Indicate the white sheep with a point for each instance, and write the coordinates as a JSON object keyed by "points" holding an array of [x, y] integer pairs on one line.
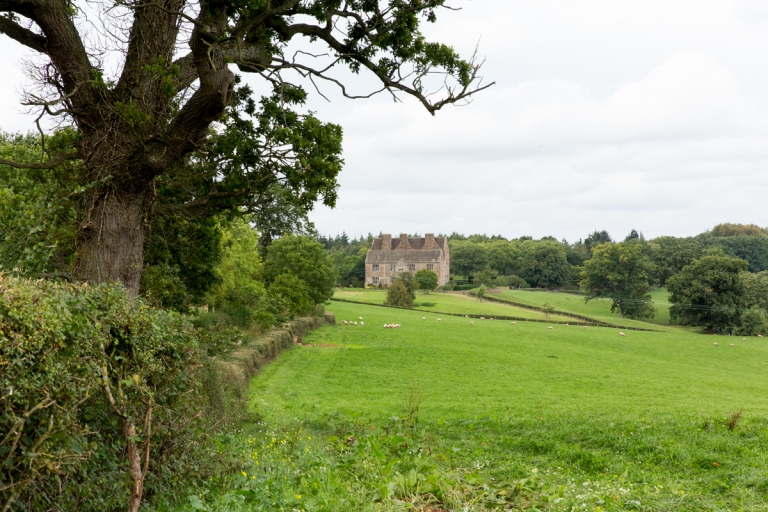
{"points": [[759, 335], [715, 343], [491, 319], [743, 339], [423, 318], [622, 334], [482, 318], [513, 323], [586, 326], [731, 344], [345, 322], [471, 322], [549, 328], [439, 319], [361, 318], [385, 326], [361, 323], [566, 324]]}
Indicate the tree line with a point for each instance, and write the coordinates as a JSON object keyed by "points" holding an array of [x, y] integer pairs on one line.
{"points": [[717, 279]]}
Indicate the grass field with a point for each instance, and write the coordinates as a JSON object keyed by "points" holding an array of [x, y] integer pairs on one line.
{"points": [[448, 303], [599, 309], [447, 416]]}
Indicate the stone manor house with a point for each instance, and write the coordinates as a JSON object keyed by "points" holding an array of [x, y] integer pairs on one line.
{"points": [[388, 257]]}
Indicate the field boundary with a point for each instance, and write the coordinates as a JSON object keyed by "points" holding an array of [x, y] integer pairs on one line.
{"points": [[592, 322]]}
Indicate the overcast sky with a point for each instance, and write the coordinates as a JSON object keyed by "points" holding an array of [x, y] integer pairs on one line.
{"points": [[617, 115]]}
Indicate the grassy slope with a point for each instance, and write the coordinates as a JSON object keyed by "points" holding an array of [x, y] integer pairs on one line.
{"points": [[617, 417], [599, 309], [448, 303]]}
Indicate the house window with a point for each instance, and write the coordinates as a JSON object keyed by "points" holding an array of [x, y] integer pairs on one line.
{"points": [[392, 268], [391, 279], [375, 267], [412, 267], [430, 266], [375, 280]]}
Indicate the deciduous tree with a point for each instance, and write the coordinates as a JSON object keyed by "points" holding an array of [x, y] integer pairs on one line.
{"points": [[620, 272], [708, 292], [426, 279], [139, 127]]}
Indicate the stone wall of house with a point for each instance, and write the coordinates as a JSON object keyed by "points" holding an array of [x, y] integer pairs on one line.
{"points": [[385, 273]]}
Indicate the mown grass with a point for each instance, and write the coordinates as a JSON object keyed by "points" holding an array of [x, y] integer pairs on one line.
{"points": [[501, 416], [599, 309], [448, 303]]}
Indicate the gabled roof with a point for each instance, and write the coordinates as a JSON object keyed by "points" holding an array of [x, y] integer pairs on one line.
{"points": [[417, 244], [408, 256]]}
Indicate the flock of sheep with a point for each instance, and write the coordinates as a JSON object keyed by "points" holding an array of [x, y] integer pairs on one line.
{"points": [[354, 322], [395, 326]]}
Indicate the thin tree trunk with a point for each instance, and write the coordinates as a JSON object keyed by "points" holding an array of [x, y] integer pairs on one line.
{"points": [[111, 241], [134, 462]]}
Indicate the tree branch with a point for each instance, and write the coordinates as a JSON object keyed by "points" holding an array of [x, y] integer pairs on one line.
{"points": [[23, 35], [49, 164]]}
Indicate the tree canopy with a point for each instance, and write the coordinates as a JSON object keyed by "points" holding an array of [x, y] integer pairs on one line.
{"points": [[172, 132], [426, 279], [620, 272], [708, 292], [304, 258]]}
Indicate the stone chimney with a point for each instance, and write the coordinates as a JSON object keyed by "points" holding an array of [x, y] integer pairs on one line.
{"points": [[404, 243], [386, 242], [429, 242]]}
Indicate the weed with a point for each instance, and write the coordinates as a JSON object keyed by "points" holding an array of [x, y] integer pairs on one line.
{"points": [[733, 419]]}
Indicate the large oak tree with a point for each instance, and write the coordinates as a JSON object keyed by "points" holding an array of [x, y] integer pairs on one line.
{"points": [[176, 77]]}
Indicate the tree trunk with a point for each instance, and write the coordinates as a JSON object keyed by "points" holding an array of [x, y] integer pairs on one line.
{"points": [[111, 240], [134, 462], [710, 329], [621, 312]]}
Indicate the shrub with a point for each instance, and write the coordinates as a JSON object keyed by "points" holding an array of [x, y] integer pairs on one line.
{"points": [[398, 295], [287, 297], [753, 322], [97, 383], [516, 282]]}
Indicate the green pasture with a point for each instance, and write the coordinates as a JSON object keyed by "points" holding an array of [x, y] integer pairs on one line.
{"points": [[561, 419], [599, 309], [448, 303]]}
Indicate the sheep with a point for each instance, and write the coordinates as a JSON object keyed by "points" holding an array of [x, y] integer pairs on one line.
{"points": [[471, 322], [439, 319], [361, 318], [385, 326], [622, 334], [743, 339], [759, 335], [344, 322], [362, 324], [354, 323], [482, 318], [423, 318], [490, 318], [566, 324], [715, 343], [731, 344], [549, 328], [466, 316], [586, 326], [513, 323]]}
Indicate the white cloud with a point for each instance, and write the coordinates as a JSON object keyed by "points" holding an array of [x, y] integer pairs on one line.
{"points": [[643, 114]]}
